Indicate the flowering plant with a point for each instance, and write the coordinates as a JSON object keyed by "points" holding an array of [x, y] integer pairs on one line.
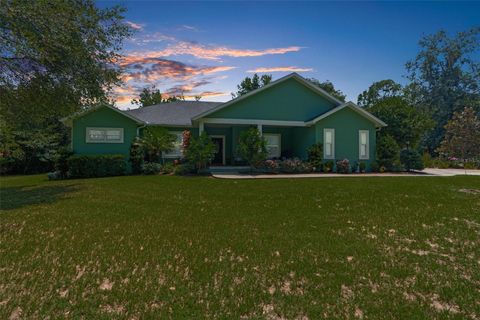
{"points": [[343, 166]]}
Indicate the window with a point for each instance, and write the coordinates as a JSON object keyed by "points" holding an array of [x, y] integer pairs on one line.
{"points": [[104, 135], [273, 145], [363, 144], [329, 143], [177, 146]]}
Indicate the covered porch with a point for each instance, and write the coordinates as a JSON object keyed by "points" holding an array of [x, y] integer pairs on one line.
{"points": [[285, 139]]}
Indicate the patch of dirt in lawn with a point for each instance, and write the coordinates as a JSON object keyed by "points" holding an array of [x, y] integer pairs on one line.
{"points": [[471, 191]]}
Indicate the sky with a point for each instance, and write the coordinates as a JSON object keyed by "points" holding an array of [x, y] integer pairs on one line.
{"points": [[207, 48]]}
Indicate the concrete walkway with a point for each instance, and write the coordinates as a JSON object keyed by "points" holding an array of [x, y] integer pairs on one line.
{"points": [[451, 172], [424, 173]]}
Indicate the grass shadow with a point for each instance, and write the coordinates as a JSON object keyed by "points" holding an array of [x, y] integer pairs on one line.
{"points": [[16, 197]]}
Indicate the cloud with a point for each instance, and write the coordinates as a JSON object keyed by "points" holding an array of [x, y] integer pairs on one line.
{"points": [[152, 69], [188, 28], [133, 25], [148, 38], [212, 52], [280, 69]]}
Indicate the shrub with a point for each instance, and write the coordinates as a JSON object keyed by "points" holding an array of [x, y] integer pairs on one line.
{"points": [[397, 166], [169, 167], [388, 151], [411, 160], [89, 166], [272, 166], [362, 167], [137, 155], [156, 141], [200, 152], [183, 169], [328, 166], [186, 137], [61, 162], [343, 166], [315, 156], [374, 166], [252, 147], [150, 168], [294, 165], [427, 160]]}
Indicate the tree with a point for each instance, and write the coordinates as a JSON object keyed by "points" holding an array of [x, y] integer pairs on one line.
{"points": [[252, 147], [148, 97], [200, 151], [329, 88], [56, 58], [156, 141], [249, 84], [445, 77], [386, 100], [66, 41], [411, 160], [462, 136], [388, 151], [378, 91]]}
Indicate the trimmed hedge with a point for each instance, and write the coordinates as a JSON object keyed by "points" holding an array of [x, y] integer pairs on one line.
{"points": [[90, 166]]}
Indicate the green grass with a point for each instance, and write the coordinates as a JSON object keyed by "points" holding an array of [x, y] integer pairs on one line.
{"points": [[173, 247]]}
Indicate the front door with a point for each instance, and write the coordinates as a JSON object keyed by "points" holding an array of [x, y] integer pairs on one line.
{"points": [[219, 155]]}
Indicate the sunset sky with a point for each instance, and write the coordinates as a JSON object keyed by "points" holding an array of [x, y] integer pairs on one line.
{"points": [[208, 48]]}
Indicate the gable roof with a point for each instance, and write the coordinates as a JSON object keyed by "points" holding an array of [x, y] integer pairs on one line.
{"points": [[177, 113], [354, 107], [294, 75], [92, 109]]}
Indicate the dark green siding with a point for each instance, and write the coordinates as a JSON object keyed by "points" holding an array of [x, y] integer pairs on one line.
{"points": [[288, 101], [347, 123], [104, 118]]}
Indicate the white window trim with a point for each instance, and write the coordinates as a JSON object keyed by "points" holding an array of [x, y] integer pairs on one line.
{"points": [[332, 156], [88, 140], [279, 143], [223, 146], [367, 156], [171, 155]]}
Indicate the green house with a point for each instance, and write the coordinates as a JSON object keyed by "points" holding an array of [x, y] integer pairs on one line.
{"points": [[291, 113]]}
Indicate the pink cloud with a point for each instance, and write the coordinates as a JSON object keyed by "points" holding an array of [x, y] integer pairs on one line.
{"points": [[211, 52], [134, 25], [280, 69]]}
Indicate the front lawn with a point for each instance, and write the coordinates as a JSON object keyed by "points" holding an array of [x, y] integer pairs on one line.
{"points": [[173, 247]]}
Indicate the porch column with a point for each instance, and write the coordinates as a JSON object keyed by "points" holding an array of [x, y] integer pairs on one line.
{"points": [[260, 129], [201, 127]]}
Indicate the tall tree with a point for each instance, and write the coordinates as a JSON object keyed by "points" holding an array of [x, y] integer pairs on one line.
{"points": [[329, 88], [445, 76], [56, 58], [148, 97], [378, 91], [249, 84], [462, 136], [406, 124]]}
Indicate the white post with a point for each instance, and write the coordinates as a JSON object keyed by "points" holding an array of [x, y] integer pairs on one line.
{"points": [[201, 127], [260, 129]]}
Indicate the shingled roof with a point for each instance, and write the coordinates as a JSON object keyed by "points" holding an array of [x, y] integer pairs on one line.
{"points": [[177, 113]]}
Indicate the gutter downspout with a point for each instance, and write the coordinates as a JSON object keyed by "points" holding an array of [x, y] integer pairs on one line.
{"points": [[138, 129]]}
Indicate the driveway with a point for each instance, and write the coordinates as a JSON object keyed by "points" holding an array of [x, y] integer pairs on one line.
{"points": [[451, 172]]}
